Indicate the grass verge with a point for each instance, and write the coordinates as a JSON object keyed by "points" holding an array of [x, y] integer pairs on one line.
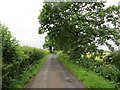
{"points": [[28, 74], [90, 79]]}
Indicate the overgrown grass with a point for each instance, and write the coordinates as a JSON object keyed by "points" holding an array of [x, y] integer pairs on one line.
{"points": [[28, 74], [90, 79]]}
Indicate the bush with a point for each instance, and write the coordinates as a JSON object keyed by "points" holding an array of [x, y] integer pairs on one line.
{"points": [[16, 59], [12, 55], [108, 71], [9, 46], [34, 54], [89, 78], [114, 58]]}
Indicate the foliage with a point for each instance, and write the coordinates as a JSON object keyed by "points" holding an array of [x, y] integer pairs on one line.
{"points": [[28, 74], [12, 56], [0, 56], [34, 54], [49, 45], [9, 46], [88, 77], [79, 27], [16, 59], [107, 71], [113, 58]]}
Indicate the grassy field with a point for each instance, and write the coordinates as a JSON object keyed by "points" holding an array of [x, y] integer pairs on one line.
{"points": [[28, 74], [90, 79]]}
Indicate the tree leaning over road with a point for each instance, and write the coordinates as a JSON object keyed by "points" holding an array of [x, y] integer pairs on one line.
{"points": [[79, 27]]}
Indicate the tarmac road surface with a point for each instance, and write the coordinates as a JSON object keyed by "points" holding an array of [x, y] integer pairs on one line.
{"points": [[54, 75]]}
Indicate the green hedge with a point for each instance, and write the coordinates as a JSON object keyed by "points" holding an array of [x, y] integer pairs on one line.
{"points": [[107, 70], [114, 58], [16, 59], [34, 54], [89, 78]]}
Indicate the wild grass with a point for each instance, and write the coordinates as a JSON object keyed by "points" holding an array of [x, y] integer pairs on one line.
{"points": [[89, 78]]}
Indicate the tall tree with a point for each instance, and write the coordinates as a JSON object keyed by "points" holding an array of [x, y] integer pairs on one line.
{"points": [[78, 28], [49, 44]]}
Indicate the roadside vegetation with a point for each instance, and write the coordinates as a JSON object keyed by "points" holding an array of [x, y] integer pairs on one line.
{"points": [[94, 74], [20, 63], [78, 29], [28, 74]]}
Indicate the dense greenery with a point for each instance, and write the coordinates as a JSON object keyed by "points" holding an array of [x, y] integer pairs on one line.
{"points": [[0, 57], [114, 58], [49, 45], [79, 27], [28, 74], [107, 71], [16, 59], [88, 77]]}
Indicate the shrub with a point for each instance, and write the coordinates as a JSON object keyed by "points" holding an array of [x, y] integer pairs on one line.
{"points": [[89, 78], [108, 71], [114, 58], [9, 46], [16, 59], [34, 54], [12, 57]]}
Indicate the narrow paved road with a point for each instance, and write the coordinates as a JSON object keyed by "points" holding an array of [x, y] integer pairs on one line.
{"points": [[54, 75]]}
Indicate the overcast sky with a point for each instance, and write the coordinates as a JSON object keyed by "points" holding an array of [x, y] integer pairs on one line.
{"points": [[21, 17]]}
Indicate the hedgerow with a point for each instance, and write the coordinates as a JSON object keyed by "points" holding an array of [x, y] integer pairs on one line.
{"points": [[16, 59], [109, 71], [89, 78], [114, 58]]}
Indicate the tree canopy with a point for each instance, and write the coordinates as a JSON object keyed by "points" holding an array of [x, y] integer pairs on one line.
{"points": [[79, 28]]}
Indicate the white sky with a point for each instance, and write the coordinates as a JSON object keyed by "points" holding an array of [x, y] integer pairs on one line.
{"points": [[21, 17]]}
